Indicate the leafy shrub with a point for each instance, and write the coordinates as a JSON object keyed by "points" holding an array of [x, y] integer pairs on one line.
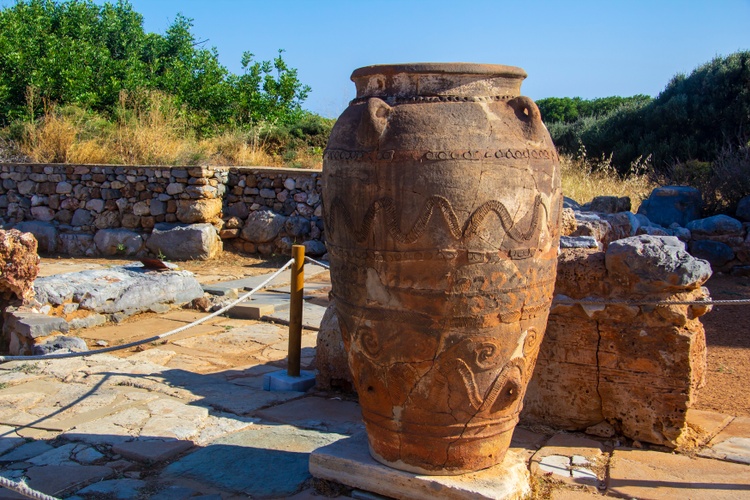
{"points": [[568, 110], [693, 118], [722, 182]]}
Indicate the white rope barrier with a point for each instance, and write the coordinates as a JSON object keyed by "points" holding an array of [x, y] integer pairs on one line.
{"points": [[596, 302], [24, 490], [224, 309], [317, 262]]}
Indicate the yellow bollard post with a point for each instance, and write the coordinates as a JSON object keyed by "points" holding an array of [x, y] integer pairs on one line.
{"points": [[295, 311]]}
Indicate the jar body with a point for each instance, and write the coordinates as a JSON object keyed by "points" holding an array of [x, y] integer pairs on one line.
{"points": [[442, 204]]}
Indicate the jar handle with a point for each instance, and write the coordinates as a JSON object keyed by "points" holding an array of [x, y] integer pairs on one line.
{"points": [[527, 111], [374, 121], [525, 108]]}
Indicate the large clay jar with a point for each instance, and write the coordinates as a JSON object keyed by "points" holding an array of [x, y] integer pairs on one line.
{"points": [[442, 207]]}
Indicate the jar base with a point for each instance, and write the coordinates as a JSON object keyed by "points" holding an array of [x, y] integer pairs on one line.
{"points": [[473, 456]]}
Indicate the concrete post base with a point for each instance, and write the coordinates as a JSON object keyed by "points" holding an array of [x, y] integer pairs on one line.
{"points": [[281, 381]]}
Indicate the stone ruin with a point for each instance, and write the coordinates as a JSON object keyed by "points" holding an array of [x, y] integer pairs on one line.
{"points": [[630, 366], [36, 313], [621, 368]]}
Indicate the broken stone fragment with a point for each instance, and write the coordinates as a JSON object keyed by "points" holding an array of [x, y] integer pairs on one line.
{"points": [[19, 264]]}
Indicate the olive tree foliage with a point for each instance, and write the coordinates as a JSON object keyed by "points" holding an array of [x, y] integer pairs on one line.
{"points": [[77, 52]]}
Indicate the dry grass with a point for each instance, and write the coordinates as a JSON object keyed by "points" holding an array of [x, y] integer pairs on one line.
{"points": [[235, 147], [149, 130], [583, 179], [49, 140]]}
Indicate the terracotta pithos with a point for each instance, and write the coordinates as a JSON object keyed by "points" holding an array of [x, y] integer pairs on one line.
{"points": [[442, 207]]}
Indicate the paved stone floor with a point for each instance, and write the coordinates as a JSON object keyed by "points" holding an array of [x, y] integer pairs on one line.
{"points": [[189, 419]]}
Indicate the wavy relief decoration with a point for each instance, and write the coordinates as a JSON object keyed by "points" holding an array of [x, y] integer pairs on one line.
{"points": [[386, 208]]}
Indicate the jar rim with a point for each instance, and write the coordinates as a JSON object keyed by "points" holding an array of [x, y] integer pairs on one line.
{"points": [[456, 68]]}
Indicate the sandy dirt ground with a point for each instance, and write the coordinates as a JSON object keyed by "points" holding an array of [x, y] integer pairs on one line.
{"points": [[727, 327]]}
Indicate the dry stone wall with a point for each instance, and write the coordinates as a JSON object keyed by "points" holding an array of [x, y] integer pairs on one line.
{"points": [[109, 210]]}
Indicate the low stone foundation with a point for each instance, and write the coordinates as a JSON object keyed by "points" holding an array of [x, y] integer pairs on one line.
{"points": [[629, 368]]}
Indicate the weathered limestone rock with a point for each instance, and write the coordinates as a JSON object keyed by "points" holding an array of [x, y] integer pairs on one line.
{"points": [[19, 264], [714, 226], [743, 209], [717, 253], [569, 224], [669, 204], [44, 232], [184, 242], [610, 204], [594, 225], [118, 289], [623, 224], [655, 263], [204, 210], [263, 226], [22, 329], [314, 248], [571, 203], [632, 365], [118, 242], [76, 244], [60, 343]]}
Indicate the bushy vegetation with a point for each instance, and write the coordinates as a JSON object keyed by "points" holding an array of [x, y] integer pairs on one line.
{"points": [[87, 81], [695, 132], [570, 109]]}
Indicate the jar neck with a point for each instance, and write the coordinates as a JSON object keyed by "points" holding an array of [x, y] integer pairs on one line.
{"points": [[436, 79]]}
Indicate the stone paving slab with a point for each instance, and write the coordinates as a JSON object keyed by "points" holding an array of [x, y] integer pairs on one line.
{"points": [[25, 451], [251, 282], [657, 475], [152, 451], [312, 315], [575, 460], [56, 480], [348, 461], [266, 461], [120, 489], [323, 414], [732, 443], [526, 442], [707, 424]]}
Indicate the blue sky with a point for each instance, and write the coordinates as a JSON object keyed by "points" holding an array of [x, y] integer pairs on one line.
{"points": [[569, 48]]}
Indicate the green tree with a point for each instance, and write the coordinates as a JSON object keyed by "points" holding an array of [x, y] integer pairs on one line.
{"points": [[77, 52], [262, 95]]}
